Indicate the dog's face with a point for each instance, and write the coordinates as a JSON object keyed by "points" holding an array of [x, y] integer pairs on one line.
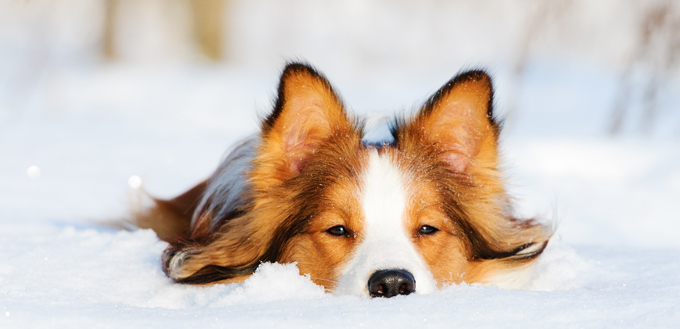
{"points": [[381, 231], [423, 211]]}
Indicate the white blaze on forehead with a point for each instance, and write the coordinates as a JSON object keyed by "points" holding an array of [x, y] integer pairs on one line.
{"points": [[385, 244]]}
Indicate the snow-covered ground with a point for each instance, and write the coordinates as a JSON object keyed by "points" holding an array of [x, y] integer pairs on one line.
{"points": [[614, 262]]}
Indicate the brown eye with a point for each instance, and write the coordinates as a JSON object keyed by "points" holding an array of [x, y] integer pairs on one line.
{"points": [[338, 231], [427, 230]]}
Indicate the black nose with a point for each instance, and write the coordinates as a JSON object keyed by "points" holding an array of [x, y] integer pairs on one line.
{"points": [[389, 283]]}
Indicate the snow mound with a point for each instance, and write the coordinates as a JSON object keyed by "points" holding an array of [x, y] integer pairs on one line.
{"points": [[270, 282], [560, 267]]}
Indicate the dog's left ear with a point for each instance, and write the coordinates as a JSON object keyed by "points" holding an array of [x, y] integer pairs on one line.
{"points": [[458, 121]]}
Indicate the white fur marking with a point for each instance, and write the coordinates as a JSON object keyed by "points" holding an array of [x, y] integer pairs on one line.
{"points": [[385, 244], [226, 187], [175, 262], [516, 278]]}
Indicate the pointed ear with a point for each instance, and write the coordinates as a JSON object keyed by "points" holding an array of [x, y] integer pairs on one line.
{"points": [[307, 113], [458, 121]]}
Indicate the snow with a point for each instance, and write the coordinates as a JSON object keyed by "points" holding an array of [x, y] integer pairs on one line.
{"points": [[77, 138], [614, 261]]}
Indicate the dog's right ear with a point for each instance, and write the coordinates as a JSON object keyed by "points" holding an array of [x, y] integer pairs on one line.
{"points": [[306, 114]]}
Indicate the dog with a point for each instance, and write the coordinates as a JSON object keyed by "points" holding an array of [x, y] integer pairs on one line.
{"points": [[422, 211]]}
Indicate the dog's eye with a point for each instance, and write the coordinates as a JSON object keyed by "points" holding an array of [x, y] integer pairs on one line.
{"points": [[427, 230], [338, 231]]}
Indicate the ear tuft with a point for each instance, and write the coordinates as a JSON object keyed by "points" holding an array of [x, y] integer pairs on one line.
{"points": [[306, 113], [290, 75], [458, 122], [474, 81]]}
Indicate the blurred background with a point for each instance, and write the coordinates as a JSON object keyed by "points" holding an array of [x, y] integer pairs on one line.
{"points": [[96, 93], [636, 41]]}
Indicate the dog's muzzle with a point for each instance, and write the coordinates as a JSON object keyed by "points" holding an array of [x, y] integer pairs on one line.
{"points": [[390, 283]]}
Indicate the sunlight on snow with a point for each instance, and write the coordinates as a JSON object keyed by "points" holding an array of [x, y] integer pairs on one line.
{"points": [[135, 181], [33, 172]]}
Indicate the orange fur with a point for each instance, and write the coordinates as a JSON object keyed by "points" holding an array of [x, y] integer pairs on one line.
{"points": [[171, 219], [456, 132]]}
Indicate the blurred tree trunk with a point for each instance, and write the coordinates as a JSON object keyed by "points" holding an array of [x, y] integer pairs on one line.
{"points": [[206, 16], [209, 27], [110, 13]]}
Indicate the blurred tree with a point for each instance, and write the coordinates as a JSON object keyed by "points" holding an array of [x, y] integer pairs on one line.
{"points": [[658, 53], [209, 30], [206, 31], [110, 12], [544, 14]]}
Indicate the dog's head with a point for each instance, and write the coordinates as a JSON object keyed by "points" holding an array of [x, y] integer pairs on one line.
{"points": [[426, 210]]}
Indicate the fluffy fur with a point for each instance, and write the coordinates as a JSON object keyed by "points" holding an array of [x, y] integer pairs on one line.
{"points": [[307, 190]]}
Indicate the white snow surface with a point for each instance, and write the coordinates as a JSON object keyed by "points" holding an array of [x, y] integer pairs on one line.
{"points": [[614, 261]]}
